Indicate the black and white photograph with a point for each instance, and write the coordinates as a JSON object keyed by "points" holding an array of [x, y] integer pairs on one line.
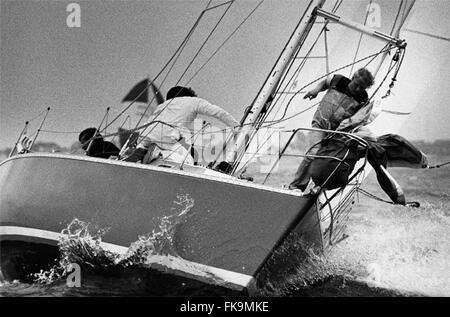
{"points": [[225, 153]]}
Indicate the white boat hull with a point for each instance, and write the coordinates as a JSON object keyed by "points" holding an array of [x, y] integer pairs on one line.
{"points": [[231, 226]]}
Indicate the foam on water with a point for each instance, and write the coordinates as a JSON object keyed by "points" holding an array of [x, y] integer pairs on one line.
{"points": [[294, 268], [81, 244], [160, 241], [401, 248]]}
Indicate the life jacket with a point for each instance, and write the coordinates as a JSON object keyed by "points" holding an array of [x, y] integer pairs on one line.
{"points": [[333, 109]]}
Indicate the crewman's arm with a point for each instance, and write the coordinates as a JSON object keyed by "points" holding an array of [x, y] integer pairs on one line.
{"points": [[208, 109], [323, 85]]}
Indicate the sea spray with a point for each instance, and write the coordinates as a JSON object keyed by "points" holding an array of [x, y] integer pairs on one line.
{"points": [[397, 247], [160, 241], [81, 243], [294, 266]]}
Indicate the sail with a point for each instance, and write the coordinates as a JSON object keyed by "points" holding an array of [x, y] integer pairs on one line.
{"points": [[425, 65], [139, 92]]}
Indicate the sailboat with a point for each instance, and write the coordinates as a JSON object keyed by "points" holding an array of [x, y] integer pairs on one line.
{"points": [[233, 226]]}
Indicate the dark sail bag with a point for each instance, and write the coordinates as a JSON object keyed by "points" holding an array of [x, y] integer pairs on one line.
{"points": [[335, 161]]}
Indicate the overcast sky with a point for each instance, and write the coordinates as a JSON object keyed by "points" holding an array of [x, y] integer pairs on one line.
{"points": [[80, 71]]}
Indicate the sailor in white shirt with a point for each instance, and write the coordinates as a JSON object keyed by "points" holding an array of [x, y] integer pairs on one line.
{"points": [[174, 121]]}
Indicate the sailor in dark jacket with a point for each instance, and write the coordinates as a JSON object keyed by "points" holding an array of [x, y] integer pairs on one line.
{"points": [[96, 146], [344, 97]]}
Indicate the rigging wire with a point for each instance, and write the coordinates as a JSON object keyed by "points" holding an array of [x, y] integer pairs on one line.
{"points": [[391, 67], [297, 71], [429, 35], [327, 74], [414, 204], [40, 128], [439, 165], [397, 64], [321, 77], [374, 57], [397, 16], [121, 126], [180, 47], [288, 82], [360, 39], [60, 132], [263, 117], [370, 195], [337, 4], [225, 41], [260, 119], [272, 123], [204, 42], [295, 74], [24, 131], [286, 108], [37, 116], [177, 54]]}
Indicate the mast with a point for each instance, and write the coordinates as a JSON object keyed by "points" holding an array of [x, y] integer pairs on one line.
{"points": [[264, 96]]}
